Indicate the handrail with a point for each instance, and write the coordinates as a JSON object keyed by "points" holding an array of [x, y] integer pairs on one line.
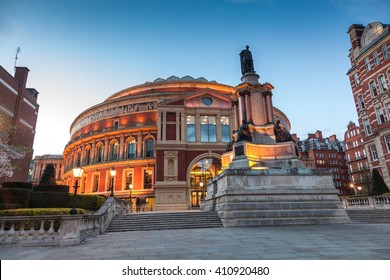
{"points": [[59, 230]]}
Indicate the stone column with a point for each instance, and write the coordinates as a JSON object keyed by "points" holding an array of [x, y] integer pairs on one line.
{"points": [[164, 127], [248, 107], [177, 126], [183, 126], [159, 129], [121, 147], [197, 127], [258, 110], [236, 115], [242, 109], [270, 108], [218, 127]]}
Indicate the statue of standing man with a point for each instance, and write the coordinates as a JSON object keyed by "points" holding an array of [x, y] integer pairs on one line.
{"points": [[246, 61]]}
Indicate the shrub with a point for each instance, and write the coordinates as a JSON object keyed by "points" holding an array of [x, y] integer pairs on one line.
{"points": [[38, 212], [49, 175], [49, 200], [51, 188], [17, 185], [378, 184], [14, 197], [89, 202]]}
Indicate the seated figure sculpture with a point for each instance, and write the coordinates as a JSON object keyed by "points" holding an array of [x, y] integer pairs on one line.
{"points": [[281, 133], [242, 134]]}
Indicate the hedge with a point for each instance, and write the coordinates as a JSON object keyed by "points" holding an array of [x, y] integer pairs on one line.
{"points": [[49, 200], [17, 185], [89, 202], [51, 188], [14, 196], [36, 212]]}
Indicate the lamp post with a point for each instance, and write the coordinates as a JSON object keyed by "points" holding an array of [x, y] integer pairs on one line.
{"points": [[130, 187], [353, 191], [112, 173], [77, 173], [360, 189]]}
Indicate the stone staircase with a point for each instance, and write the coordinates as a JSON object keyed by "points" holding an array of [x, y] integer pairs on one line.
{"points": [[369, 216], [164, 220]]}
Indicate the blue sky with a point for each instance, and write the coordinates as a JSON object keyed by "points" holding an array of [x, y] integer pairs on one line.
{"points": [[81, 52]]}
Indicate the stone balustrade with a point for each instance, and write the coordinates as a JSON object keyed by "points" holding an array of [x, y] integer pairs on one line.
{"points": [[59, 230], [375, 202]]}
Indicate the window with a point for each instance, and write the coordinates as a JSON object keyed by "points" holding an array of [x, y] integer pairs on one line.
{"points": [[114, 151], [379, 115], [387, 141], [191, 129], [356, 79], [96, 179], [87, 159], [375, 58], [149, 151], [208, 131], [129, 179], [148, 178], [207, 101], [225, 128], [99, 153], [373, 152], [385, 51], [373, 90], [367, 64], [382, 83], [116, 124], [131, 149], [362, 106], [367, 127]]}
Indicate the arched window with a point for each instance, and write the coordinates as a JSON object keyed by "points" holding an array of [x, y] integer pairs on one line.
{"points": [[373, 90], [149, 147], [99, 153], [87, 159], [362, 106], [114, 151], [131, 149]]}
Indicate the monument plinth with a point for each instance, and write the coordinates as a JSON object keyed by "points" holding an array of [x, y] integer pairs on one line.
{"points": [[263, 181]]}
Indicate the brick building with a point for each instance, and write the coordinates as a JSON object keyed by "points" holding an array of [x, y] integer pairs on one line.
{"points": [[370, 82], [318, 152], [20, 105], [40, 163], [357, 162]]}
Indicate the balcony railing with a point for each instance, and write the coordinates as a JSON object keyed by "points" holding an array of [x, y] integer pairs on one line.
{"points": [[376, 202], [59, 230]]}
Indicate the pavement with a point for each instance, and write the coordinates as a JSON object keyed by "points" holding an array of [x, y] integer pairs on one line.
{"points": [[309, 242]]}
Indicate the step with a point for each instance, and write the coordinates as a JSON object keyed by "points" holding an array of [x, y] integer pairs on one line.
{"points": [[164, 220]]}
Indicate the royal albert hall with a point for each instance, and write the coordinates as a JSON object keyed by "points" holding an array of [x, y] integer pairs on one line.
{"points": [[163, 138]]}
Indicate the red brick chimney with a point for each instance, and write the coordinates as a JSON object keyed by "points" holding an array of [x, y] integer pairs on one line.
{"points": [[21, 74]]}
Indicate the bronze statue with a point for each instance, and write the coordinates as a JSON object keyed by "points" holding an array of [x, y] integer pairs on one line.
{"points": [[246, 61], [281, 133], [243, 133]]}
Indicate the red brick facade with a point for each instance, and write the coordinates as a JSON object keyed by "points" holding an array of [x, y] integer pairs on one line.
{"points": [[318, 152], [370, 82], [20, 105]]}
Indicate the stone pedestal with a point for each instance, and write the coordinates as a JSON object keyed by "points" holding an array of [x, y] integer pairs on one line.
{"points": [[171, 196], [285, 196]]}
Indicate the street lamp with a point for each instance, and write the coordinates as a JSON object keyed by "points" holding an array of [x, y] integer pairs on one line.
{"points": [[353, 191], [360, 189], [112, 173], [77, 173], [130, 187]]}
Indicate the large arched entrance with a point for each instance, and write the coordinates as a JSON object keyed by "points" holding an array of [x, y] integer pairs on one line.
{"points": [[201, 171]]}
